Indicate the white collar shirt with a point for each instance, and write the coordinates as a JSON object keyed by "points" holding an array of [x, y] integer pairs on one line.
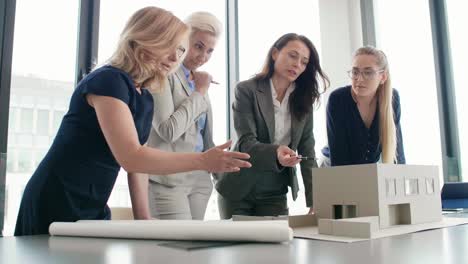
{"points": [[282, 115]]}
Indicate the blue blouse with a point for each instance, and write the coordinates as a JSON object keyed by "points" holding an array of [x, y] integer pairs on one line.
{"points": [[350, 141], [201, 122], [76, 177]]}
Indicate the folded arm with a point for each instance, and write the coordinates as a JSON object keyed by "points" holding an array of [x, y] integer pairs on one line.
{"points": [[170, 122]]}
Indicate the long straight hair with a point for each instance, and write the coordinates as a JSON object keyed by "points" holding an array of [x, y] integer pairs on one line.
{"points": [[387, 129], [307, 91], [149, 34]]}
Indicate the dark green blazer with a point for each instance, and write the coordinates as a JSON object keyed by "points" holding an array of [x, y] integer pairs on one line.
{"points": [[254, 121]]}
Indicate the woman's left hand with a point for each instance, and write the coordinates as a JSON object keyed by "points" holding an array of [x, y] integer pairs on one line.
{"points": [[287, 157], [216, 159]]}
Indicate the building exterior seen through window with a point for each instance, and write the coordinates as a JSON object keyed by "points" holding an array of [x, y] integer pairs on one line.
{"points": [[43, 72], [457, 19], [412, 72]]}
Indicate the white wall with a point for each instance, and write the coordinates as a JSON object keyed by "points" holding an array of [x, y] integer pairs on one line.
{"points": [[341, 34]]}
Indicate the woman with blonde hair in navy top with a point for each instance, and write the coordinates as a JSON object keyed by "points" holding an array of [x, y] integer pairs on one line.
{"points": [[106, 127], [363, 119]]}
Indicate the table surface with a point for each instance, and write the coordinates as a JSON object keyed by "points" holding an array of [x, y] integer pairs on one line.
{"points": [[446, 245]]}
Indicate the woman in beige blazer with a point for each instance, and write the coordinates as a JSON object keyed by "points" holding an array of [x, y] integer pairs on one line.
{"points": [[182, 122], [273, 118]]}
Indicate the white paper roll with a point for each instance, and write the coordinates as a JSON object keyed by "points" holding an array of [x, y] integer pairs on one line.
{"points": [[257, 231]]}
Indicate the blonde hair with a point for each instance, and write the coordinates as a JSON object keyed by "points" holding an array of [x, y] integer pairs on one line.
{"points": [[387, 129], [204, 21], [149, 34]]}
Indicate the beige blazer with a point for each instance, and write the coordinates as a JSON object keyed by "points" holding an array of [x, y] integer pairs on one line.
{"points": [[174, 128], [254, 122]]}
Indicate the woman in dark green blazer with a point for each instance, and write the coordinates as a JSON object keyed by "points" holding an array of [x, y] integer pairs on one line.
{"points": [[273, 118]]}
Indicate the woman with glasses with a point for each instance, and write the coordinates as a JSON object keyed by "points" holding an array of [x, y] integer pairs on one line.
{"points": [[182, 122], [106, 127], [273, 118], [363, 119]]}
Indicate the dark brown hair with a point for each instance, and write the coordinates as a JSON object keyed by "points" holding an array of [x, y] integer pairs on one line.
{"points": [[307, 91]]}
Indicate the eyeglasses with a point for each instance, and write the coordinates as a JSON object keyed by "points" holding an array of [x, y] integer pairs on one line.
{"points": [[366, 75], [180, 51]]}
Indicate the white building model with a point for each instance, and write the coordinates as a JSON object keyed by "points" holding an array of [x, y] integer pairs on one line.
{"points": [[355, 201]]}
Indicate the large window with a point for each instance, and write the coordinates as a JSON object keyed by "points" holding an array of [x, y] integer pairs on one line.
{"points": [[43, 70], [44, 59], [457, 20], [404, 34], [114, 15], [257, 33]]}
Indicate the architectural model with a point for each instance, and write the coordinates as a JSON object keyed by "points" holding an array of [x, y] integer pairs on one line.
{"points": [[358, 200]]}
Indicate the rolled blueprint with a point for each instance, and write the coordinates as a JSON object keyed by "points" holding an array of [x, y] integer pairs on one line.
{"points": [[254, 231]]}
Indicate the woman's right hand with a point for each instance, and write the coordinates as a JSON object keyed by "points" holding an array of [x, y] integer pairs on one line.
{"points": [[217, 159], [202, 81]]}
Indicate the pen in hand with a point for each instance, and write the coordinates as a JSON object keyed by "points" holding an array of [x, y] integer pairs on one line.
{"points": [[302, 157], [212, 81]]}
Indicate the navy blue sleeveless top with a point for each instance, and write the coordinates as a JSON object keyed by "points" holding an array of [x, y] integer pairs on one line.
{"points": [[76, 177]]}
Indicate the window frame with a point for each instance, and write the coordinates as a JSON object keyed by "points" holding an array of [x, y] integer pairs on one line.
{"points": [[87, 51]]}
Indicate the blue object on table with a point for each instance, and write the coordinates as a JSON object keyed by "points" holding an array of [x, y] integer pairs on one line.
{"points": [[454, 195]]}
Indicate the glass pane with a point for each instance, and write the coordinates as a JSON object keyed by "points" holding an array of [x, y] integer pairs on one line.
{"points": [[457, 20], [411, 64], [41, 141], [11, 161], [114, 15], [58, 116], [43, 70], [42, 125], [25, 140], [25, 161], [12, 119], [26, 123], [297, 16]]}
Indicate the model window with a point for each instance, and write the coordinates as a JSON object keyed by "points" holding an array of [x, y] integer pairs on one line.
{"points": [[411, 186], [344, 211], [390, 187], [429, 186]]}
